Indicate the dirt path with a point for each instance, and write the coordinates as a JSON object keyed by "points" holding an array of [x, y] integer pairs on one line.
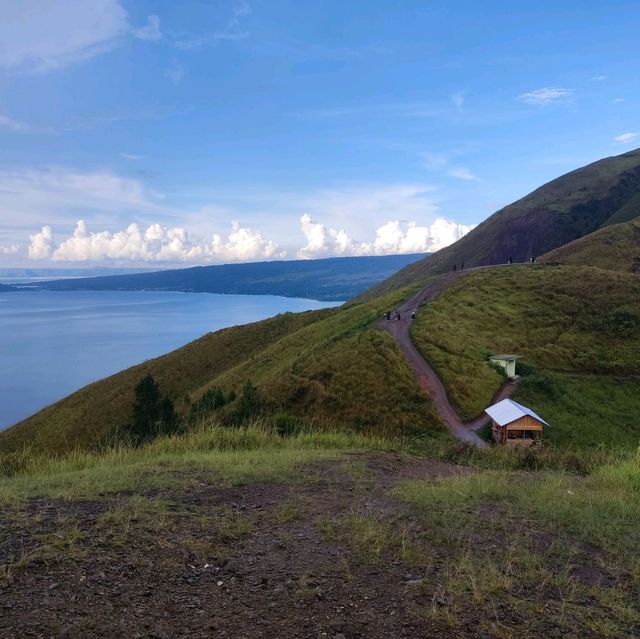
{"points": [[426, 377]]}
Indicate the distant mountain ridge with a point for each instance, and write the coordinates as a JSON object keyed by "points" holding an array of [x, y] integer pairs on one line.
{"points": [[331, 279], [578, 203]]}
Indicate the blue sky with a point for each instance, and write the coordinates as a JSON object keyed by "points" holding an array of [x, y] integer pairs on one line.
{"points": [[214, 131]]}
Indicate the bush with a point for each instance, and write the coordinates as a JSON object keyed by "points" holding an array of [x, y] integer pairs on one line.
{"points": [[285, 424], [248, 404], [153, 414], [542, 383]]}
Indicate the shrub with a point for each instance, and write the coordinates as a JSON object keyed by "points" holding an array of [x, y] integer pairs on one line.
{"points": [[153, 414], [286, 424]]}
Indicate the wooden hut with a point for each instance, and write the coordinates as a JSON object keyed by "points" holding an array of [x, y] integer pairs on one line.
{"points": [[513, 424]]}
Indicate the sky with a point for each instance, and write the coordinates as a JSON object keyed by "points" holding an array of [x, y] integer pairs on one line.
{"points": [[208, 131]]}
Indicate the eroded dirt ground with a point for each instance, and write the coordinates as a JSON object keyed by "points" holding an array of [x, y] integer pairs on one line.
{"points": [[332, 555]]}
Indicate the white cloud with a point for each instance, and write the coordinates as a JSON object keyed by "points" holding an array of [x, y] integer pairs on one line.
{"points": [[41, 244], [57, 194], [626, 138], [151, 31], [9, 250], [618, 100], [174, 72], [38, 35], [547, 95], [458, 99], [464, 174], [391, 238], [17, 126], [441, 163], [131, 156], [599, 78], [155, 244]]}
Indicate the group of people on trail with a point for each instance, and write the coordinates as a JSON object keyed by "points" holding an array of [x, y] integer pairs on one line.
{"points": [[532, 260], [398, 316], [455, 267]]}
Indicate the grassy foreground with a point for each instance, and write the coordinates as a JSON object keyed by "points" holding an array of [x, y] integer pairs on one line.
{"points": [[242, 519]]}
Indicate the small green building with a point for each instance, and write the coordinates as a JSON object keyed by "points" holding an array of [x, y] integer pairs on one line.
{"points": [[508, 362]]}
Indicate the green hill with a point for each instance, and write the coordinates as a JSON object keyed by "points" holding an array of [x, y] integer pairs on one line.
{"points": [[329, 367], [569, 207], [578, 326], [615, 247], [578, 330]]}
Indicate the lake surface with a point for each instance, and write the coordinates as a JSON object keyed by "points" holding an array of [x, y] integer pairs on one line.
{"points": [[54, 342]]}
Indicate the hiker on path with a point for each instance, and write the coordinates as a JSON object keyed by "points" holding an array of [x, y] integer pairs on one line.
{"points": [[413, 315], [388, 315], [455, 266]]}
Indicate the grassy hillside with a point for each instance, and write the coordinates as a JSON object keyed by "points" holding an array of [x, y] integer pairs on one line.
{"points": [[580, 324], [567, 208], [330, 367], [615, 247]]}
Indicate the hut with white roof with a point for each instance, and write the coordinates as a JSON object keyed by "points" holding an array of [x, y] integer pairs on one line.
{"points": [[513, 424]]}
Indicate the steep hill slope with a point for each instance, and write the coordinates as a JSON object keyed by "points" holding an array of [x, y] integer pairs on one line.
{"points": [[615, 247], [567, 208], [337, 278], [330, 367], [579, 327]]}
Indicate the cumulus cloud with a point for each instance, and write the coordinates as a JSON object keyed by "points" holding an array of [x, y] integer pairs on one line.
{"points": [[9, 250], [153, 244], [151, 31], [626, 138], [547, 95], [391, 238], [39, 35], [41, 244]]}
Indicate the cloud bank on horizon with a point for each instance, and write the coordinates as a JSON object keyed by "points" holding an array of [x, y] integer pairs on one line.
{"points": [[174, 245]]}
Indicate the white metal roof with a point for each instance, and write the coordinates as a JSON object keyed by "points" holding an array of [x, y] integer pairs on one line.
{"points": [[508, 411], [506, 357]]}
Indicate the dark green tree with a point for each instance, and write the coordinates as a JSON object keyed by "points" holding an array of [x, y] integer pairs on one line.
{"points": [[153, 414], [248, 403]]}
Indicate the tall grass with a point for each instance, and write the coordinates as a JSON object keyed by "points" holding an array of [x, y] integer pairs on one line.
{"points": [[232, 454]]}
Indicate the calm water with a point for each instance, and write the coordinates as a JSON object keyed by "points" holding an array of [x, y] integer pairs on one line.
{"points": [[54, 342]]}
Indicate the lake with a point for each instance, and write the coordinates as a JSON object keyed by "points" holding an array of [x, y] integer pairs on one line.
{"points": [[54, 342]]}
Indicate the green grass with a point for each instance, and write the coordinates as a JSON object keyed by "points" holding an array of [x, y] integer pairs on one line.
{"points": [[540, 545], [329, 368], [562, 319], [221, 455], [615, 247]]}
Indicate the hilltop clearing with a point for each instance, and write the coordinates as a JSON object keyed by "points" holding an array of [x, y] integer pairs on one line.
{"points": [[242, 533], [569, 207]]}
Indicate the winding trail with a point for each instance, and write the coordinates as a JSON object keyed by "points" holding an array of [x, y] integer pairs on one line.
{"points": [[426, 377]]}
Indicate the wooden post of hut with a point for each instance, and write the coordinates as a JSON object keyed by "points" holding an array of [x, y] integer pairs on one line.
{"points": [[513, 424]]}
